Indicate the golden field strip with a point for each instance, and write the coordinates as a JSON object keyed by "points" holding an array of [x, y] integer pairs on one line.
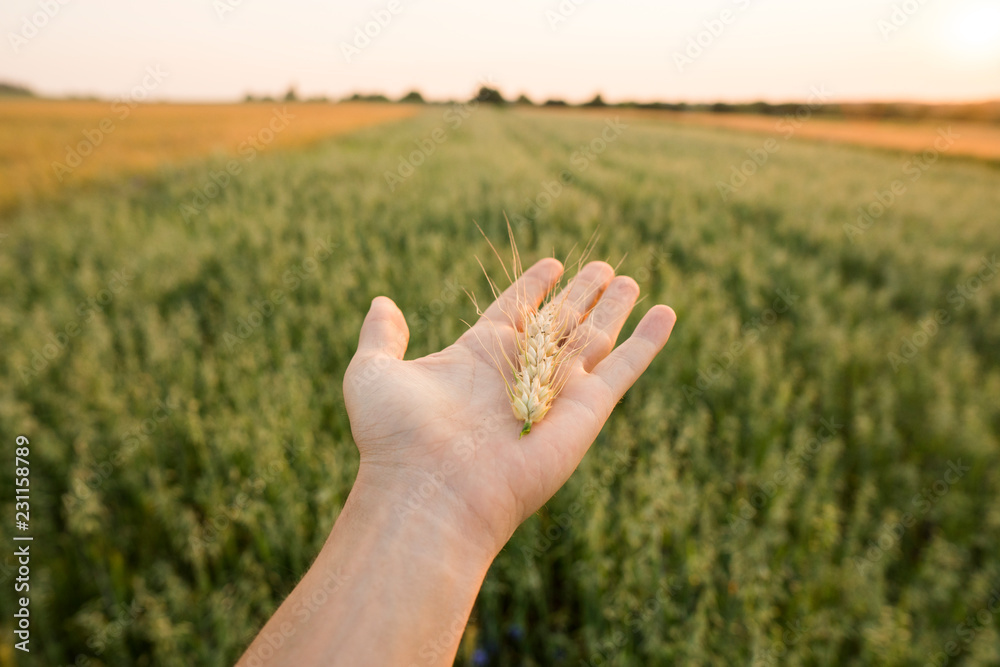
{"points": [[48, 144], [972, 139]]}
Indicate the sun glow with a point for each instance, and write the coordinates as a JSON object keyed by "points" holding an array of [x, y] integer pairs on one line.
{"points": [[974, 32]]}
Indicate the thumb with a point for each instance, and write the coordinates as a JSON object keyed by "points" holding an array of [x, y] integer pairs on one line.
{"points": [[384, 330]]}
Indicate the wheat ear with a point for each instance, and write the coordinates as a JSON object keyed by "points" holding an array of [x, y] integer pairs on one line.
{"points": [[541, 350], [544, 349]]}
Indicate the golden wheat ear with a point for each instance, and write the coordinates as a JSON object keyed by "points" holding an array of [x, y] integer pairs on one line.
{"points": [[545, 344]]}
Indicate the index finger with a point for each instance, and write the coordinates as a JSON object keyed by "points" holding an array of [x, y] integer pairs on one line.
{"points": [[526, 292]]}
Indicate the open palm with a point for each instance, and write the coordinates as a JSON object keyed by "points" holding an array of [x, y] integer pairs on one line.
{"points": [[438, 433]]}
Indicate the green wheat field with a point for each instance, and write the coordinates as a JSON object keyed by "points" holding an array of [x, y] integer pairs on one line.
{"points": [[807, 475]]}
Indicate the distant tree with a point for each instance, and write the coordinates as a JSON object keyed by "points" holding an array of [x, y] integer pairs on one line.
{"points": [[14, 90], [878, 110], [358, 97], [291, 95], [556, 103], [722, 107], [838, 110], [525, 100], [412, 97], [598, 101], [489, 96]]}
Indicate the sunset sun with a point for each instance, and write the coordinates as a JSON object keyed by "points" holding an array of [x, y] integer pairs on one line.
{"points": [[974, 31]]}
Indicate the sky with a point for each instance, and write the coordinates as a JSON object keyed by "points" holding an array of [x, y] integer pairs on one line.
{"points": [[717, 50]]}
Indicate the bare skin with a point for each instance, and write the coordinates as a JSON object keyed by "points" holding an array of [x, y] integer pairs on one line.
{"points": [[444, 479]]}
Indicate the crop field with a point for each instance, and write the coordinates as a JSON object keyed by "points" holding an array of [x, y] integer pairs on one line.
{"points": [[47, 145], [967, 139], [807, 475]]}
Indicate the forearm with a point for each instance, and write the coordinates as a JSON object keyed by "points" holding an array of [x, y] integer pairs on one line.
{"points": [[386, 589]]}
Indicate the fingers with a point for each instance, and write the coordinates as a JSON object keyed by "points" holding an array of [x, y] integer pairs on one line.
{"points": [[528, 290], [384, 330], [620, 369], [598, 333], [586, 287], [584, 405]]}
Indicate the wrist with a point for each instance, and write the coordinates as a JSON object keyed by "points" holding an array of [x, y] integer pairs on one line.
{"points": [[419, 515], [387, 585]]}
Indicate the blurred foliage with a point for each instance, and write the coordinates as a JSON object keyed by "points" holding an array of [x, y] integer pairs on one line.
{"points": [[772, 491]]}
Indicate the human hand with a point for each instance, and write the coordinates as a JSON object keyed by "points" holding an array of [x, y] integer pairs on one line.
{"points": [[444, 479], [437, 435]]}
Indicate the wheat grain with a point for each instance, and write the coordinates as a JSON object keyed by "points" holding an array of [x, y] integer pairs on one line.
{"points": [[546, 343], [543, 349]]}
